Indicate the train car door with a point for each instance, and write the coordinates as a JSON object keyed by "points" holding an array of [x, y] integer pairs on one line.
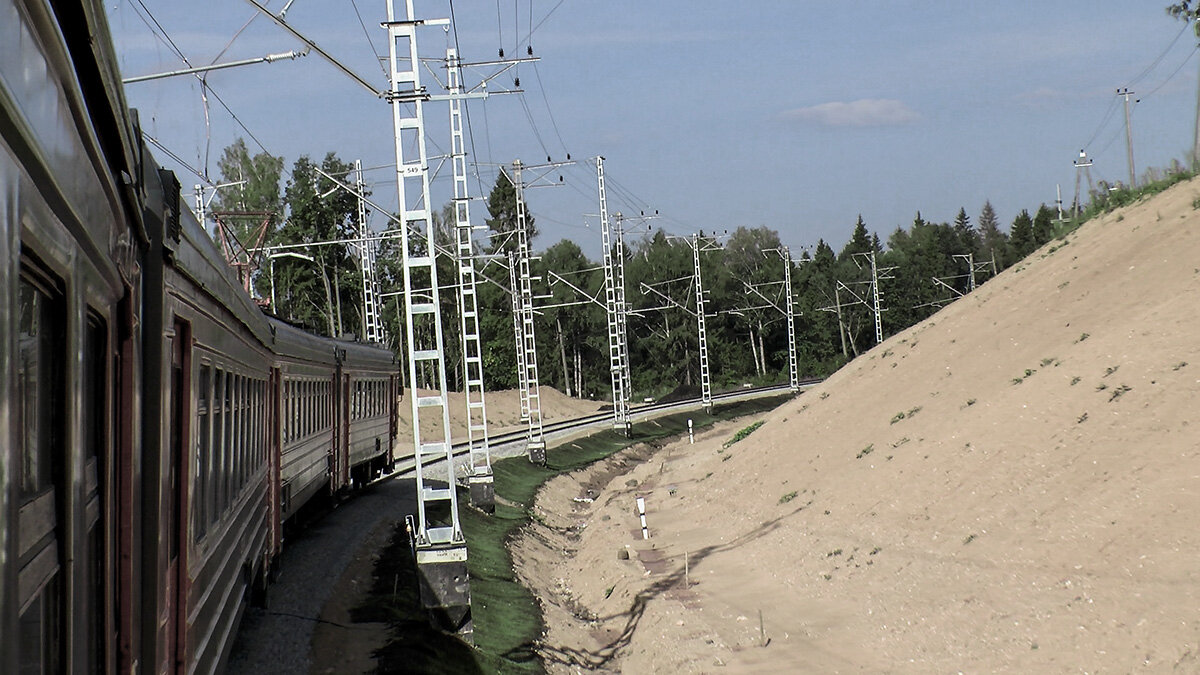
{"points": [[275, 460], [344, 430], [176, 499]]}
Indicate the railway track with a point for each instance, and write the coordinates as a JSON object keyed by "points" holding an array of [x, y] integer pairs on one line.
{"points": [[509, 444]]}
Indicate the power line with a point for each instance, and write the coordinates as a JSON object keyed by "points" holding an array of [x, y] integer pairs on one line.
{"points": [[1162, 84]]}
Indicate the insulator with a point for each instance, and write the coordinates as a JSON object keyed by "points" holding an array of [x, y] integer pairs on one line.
{"points": [[529, 50], [502, 52], [568, 156], [560, 179], [516, 81], [548, 158]]}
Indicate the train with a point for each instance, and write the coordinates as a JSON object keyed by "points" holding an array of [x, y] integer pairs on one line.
{"points": [[160, 429]]}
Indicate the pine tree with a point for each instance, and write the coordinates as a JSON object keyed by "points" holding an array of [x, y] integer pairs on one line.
{"points": [[993, 244], [502, 206], [1043, 225], [1020, 240]]}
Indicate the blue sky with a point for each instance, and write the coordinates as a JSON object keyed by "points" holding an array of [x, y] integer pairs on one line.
{"points": [[798, 115]]}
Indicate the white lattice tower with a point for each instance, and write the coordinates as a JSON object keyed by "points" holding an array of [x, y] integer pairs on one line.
{"points": [[705, 380], [793, 364], [366, 248], [613, 307], [622, 311], [423, 321], [536, 442], [468, 306], [519, 336], [877, 298]]}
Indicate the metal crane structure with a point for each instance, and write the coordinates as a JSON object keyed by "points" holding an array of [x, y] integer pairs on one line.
{"points": [[441, 550]]}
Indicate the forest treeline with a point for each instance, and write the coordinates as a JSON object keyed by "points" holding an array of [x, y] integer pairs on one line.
{"points": [[921, 267]]}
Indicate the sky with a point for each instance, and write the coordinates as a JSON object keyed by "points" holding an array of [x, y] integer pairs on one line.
{"points": [[797, 115]]}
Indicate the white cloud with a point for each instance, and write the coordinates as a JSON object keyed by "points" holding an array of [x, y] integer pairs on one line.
{"points": [[865, 112]]}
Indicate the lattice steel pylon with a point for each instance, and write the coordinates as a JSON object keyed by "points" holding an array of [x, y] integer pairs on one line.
{"points": [[440, 548], [705, 381], [372, 328], [535, 444], [614, 302], [519, 337], [793, 362], [479, 480]]}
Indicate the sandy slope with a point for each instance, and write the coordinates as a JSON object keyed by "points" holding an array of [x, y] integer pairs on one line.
{"points": [[1011, 486]]}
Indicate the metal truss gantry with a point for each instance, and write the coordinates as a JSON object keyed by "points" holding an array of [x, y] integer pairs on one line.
{"points": [[440, 548]]}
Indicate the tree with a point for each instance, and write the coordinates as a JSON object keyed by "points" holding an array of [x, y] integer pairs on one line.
{"points": [[502, 207], [1043, 225], [259, 178], [965, 232], [993, 244], [1020, 239], [860, 241], [322, 293]]}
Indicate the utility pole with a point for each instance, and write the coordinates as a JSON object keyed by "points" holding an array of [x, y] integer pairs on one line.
{"points": [[1128, 136], [372, 327], [1196, 136], [705, 380], [480, 480], [519, 336], [788, 310], [793, 361], [877, 274], [536, 442], [441, 550], [614, 292], [1082, 166]]}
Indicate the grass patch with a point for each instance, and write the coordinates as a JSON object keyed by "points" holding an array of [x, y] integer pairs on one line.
{"points": [[788, 497], [865, 451], [742, 433], [507, 618]]}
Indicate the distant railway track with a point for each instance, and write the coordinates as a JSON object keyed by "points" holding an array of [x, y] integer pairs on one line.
{"points": [[407, 465]]}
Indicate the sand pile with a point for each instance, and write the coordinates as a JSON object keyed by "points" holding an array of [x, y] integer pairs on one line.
{"points": [[1010, 486]]}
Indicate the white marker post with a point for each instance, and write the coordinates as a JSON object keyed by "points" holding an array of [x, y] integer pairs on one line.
{"points": [[641, 504], [691, 438]]}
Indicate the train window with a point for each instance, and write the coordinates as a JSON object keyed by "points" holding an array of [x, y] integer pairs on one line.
{"points": [[39, 417], [286, 411], [218, 458], [203, 450], [239, 436]]}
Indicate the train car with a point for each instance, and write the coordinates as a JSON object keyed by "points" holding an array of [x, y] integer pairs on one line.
{"points": [[70, 283], [339, 415], [308, 406], [370, 380], [207, 531], [159, 428]]}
